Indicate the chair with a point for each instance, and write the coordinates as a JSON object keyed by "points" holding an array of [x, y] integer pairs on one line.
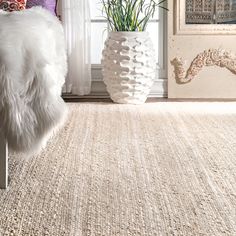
{"points": [[30, 89], [3, 162]]}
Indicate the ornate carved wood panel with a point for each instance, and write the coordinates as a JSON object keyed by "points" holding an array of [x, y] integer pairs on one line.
{"points": [[210, 11], [211, 57]]}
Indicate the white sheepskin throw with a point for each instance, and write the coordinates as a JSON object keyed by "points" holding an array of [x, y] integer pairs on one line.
{"points": [[32, 72]]}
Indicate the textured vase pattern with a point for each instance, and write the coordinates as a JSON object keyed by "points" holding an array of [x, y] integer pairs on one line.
{"points": [[129, 66]]}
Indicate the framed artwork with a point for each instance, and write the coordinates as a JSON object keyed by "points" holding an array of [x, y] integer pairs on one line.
{"points": [[205, 17]]}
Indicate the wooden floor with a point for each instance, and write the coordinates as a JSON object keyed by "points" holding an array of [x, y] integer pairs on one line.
{"points": [[151, 99]]}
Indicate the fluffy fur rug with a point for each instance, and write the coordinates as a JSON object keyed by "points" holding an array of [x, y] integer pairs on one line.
{"points": [[32, 72]]}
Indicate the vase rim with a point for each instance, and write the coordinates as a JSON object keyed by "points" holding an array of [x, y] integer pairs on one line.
{"points": [[128, 32]]}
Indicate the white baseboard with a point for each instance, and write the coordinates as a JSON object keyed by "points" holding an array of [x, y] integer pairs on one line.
{"points": [[159, 89], [98, 90]]}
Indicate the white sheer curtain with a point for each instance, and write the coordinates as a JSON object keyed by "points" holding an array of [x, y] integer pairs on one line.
{"points": [[75, 15]]}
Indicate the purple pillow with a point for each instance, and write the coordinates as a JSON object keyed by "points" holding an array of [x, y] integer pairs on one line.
{"points": [[48, 4]]}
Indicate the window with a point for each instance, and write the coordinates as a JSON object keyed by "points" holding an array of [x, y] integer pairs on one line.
{"points": [[99, 33]]}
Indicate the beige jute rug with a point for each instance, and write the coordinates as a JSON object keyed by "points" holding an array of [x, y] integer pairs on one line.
{"points": [[164, 168]]}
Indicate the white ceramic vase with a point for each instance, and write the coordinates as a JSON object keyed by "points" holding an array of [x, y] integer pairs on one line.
{"points": [[129, 66]]}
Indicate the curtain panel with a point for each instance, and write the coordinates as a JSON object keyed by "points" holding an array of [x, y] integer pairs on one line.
{"points": [[75, 16]]}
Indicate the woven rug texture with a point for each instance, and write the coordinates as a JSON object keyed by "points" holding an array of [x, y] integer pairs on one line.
{"points": [[163, 168]]}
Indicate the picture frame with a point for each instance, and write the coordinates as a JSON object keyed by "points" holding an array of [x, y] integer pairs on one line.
{"points": [[181, 28]]}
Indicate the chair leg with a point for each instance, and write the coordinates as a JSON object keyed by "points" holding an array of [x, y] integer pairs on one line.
{"points": [[3, 162]]}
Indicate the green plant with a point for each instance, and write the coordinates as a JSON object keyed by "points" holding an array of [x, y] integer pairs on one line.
{"points": [[130, 15]]}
